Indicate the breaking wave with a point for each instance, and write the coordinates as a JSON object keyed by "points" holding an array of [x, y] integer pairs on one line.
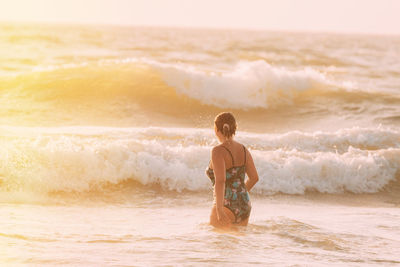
{"points": [[249, 84], [81, 159]]}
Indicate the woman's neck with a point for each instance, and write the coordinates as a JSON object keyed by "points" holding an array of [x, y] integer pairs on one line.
{"points": [[228, 141]]}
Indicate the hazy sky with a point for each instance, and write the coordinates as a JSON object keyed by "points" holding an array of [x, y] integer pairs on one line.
{"points": [[365, 16]]}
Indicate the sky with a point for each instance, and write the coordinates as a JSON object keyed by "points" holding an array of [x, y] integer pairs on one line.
{"points": [[347, 16]]}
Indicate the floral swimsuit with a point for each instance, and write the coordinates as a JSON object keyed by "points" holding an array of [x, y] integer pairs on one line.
{"points": [[236, 196]]}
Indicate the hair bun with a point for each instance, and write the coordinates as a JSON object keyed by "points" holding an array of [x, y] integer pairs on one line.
{"points": [[226, 124], [226, 130]]}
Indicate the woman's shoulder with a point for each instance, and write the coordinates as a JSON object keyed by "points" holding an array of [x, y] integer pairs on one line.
{"points": [[222, 147], [217, 148]]}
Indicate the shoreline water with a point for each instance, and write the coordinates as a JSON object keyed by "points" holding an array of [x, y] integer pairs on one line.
{"points": [[289, 232]]}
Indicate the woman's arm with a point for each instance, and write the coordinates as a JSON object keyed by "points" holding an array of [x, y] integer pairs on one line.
{"points": [[218, 164], [251, 172]]}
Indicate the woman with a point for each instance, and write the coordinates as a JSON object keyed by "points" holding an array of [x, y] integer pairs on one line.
{"points": [[229, 163]]}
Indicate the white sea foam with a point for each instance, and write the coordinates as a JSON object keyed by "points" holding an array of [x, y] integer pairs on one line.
{"points": [[294, 172], [250, 84], [86, 158], [338, 141]]}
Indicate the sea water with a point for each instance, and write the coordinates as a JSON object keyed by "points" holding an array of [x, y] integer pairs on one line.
{"points": [[105, 134]]}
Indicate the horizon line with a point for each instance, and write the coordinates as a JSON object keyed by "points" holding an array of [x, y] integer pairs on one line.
{"points": [[197, 27]]}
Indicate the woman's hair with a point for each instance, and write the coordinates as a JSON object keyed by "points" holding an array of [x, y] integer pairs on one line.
{"points": [[226, 124]]}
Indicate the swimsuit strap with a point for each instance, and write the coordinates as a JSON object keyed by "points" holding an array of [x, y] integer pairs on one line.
{"points": [[233, 162], [244, 149]]}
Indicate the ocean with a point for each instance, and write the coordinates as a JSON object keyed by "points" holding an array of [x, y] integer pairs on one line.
{"points": [[106, 132]]}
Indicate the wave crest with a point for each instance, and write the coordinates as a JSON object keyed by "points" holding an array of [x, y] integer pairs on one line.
{"points": [[69, 159], [250, 84]]}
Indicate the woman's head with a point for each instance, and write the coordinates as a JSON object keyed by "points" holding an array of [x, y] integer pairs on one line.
{"points": [[225, 124]]}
